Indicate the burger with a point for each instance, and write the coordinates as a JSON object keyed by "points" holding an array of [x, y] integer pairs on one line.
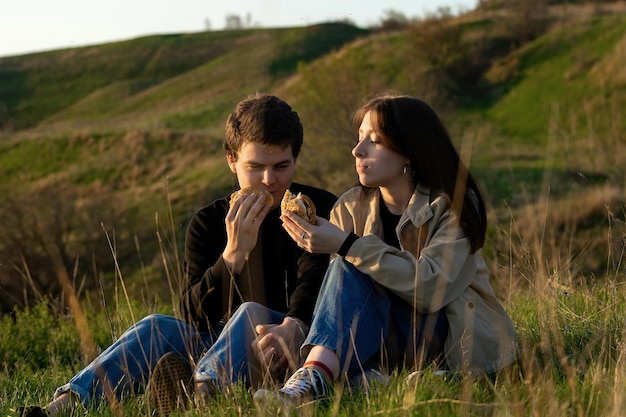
{"points": [[299, 204], [269, 200]]}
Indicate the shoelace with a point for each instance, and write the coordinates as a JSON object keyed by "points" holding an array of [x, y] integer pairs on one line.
{"points": [[305, 382]]}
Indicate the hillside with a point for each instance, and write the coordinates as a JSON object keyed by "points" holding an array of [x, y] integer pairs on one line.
{"points": [[129, 134], [173, 78]]}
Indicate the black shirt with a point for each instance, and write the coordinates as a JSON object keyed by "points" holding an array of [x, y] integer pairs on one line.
{"points": [[290, 276], [390, 221]]}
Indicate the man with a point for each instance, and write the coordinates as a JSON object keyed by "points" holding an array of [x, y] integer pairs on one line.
{"points": [[249, 289]]}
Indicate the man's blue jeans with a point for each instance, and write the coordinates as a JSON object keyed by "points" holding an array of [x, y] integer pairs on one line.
{"points": [[124, 367], [231, 359], [369, 326]]}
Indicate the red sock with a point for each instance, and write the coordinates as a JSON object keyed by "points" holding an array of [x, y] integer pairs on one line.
{"points": [[320, 367]]}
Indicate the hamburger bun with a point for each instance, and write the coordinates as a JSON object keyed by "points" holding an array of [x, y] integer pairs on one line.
{"points": [[299, 204], [269, 200]]}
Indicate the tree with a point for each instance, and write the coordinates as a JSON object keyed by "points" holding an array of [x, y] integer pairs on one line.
{"points": [[233, 22], [5, 119], [438, 40], [527, 18], [393, 20], [47, 236]]}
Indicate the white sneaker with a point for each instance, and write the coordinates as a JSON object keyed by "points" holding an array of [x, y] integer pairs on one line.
{"points": [[306, 384], [413, 377]]}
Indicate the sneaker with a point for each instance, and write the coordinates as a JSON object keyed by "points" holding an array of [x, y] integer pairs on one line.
{"points": [[365, 380], [31, 411], [305, 385], [170, 384], [414, 377], [205, 391]]}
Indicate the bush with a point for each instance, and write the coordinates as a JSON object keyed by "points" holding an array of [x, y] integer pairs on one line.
{"points": [[34, 337]]}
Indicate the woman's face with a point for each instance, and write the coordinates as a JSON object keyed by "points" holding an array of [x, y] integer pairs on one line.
{"points": [[377, 165]]}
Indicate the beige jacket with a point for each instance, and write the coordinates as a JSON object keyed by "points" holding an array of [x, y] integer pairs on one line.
{"points": [[434, 269]]}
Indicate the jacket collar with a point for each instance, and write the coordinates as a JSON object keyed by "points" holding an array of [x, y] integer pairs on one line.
{"points": [[418, 211]]}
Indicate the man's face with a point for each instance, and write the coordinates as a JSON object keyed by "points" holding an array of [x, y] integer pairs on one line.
{"points": [[260, 166]]}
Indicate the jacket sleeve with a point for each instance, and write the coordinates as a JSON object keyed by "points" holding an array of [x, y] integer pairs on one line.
{"points": [[429, 280]]}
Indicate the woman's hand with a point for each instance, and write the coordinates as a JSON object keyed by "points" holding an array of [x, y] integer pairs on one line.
{"points": [[322, 237]]}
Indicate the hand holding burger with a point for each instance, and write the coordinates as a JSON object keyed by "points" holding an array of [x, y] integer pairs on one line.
{"points": [[298, 204], [269, 200]]}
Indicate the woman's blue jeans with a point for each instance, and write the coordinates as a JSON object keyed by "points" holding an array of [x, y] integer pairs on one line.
{"points": [[125, 367], [370, 327]]}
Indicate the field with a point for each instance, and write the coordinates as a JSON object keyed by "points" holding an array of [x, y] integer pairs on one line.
{"points": [[571, 339], [104, 158]]}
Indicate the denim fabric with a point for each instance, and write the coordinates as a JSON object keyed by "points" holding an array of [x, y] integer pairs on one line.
{"points": [[369, 326], [231, 359], [125, 366]]}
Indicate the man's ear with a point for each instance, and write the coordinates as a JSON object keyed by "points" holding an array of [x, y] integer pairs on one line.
{"points": [[232, 162]]}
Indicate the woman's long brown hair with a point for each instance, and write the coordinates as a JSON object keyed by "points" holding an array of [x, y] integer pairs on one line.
{"points": [[410, 127]]}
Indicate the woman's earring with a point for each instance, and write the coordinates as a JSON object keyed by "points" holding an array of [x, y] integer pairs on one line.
{"points": [[404, 169]]}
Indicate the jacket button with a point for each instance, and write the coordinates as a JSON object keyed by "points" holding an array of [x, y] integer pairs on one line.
{"points": [[471, 305]]}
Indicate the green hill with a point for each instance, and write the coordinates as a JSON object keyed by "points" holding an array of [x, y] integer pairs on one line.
{"points": [[158, 76], [126, 136]]}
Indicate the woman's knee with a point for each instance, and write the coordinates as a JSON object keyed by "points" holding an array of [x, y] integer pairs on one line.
{"points": [[343, 276]]}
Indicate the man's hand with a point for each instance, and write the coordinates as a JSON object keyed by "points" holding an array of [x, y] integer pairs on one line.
{"points": [[278, 345], [243, 221]]}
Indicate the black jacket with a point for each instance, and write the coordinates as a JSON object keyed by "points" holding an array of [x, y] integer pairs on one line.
{"points": [[290, 276]]}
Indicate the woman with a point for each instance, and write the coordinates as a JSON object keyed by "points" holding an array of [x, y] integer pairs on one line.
{"points": [[409, 286]]}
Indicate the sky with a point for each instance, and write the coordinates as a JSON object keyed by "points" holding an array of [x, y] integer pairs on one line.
{"points": [[41, 25]]}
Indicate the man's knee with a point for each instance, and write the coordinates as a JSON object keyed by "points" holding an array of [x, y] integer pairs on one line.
{"points": [[253, 312]]}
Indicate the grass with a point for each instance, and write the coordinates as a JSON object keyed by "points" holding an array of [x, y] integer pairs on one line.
{"points": [[551, 68], [569, 321], [573, 356], [547, 148], [46, 157]]}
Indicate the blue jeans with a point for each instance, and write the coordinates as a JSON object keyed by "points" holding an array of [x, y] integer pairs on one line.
{"points": [[125, 367], [231, 359], [368, 326]]}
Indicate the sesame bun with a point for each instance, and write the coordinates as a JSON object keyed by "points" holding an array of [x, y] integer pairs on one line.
{"points": [[299, 204]]}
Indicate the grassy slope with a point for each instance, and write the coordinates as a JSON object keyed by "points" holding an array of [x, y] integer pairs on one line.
{"points": [[546, 108], [130, 118], [154, 131], [134, 85], [155, 74], [148, 113]]}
